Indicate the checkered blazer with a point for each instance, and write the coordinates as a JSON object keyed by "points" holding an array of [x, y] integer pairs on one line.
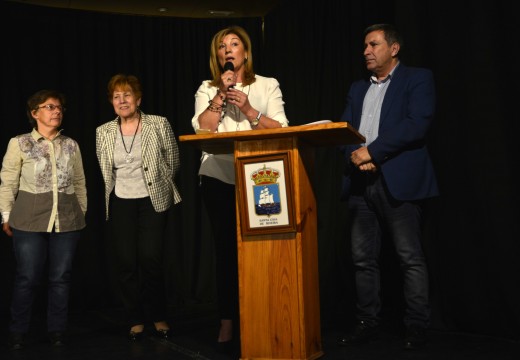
{"points": [[160, 159]]}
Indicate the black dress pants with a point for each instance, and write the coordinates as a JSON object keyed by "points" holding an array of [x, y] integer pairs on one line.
{"points": [[219, 199], [136, 252]]}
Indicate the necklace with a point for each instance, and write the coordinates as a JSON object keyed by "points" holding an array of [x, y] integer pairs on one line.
{"points": [[129, 157], [235, 111]]}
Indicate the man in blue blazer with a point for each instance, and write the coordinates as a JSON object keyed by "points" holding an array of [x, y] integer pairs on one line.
{"points": [[385, 180]]}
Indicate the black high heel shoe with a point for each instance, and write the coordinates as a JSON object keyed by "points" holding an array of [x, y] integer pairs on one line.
{"points": [[135, 336], [230, 347], [225, 347], [163, 333]]}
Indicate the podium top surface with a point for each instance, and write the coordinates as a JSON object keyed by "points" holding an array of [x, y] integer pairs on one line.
{"points": [[315, 134]]}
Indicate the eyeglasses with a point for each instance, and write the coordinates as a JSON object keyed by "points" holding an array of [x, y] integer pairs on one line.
{"points": [[52, 107]]}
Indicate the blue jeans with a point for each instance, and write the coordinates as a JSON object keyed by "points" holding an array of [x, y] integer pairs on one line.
{"points": [[33, 250], [374, 213]]}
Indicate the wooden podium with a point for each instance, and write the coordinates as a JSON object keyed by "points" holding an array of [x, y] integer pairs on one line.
{"points": [[277, 234]]}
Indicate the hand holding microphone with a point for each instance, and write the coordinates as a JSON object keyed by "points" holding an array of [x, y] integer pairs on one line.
{"points": [[229, 79]]}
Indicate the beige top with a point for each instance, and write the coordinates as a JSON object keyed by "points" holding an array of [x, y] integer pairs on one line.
{"points": [[43, 184]]}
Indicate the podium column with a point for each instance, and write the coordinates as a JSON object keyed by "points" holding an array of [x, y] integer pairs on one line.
{"points": [[278, 271]]}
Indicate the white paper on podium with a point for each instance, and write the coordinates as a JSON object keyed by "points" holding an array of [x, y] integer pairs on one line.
{"points": [[319, 122]]}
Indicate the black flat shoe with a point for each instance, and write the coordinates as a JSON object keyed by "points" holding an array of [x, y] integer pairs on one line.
{"points": [[57, 338], [135, 336], [163, 333], [15, 341], [363, 333], [415, 338]]}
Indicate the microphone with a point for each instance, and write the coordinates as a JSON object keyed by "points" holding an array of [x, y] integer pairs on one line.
{"points": [[229, 66]]}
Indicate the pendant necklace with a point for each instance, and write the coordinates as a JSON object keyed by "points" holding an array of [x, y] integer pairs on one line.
{"points": [[236, 111], [129, 157]]}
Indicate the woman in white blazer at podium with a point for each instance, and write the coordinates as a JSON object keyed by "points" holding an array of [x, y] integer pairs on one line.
{"points": [[235, 99]]}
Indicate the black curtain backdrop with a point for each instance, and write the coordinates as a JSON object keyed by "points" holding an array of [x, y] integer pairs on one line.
{"points": [[315, 50]]}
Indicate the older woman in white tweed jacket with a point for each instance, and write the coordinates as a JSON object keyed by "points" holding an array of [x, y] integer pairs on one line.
{"points": [[139, 159]]}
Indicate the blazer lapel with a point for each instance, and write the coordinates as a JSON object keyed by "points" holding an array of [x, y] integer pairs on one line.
{"points": [[107, 153], [360, 96], [146, 132], [392, 91]]}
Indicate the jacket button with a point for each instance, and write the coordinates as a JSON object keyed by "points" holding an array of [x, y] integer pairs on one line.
{"points": [[149, 184], [146, 169]]}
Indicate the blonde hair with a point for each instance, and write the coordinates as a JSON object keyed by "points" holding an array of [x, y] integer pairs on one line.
{"points": [[214, 65]]}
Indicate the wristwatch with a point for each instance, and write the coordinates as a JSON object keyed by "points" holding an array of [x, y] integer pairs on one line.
{"points": [[257, 119]]}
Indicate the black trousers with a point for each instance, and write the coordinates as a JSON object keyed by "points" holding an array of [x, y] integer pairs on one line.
{"points": [[219, 200], [136, 252]]}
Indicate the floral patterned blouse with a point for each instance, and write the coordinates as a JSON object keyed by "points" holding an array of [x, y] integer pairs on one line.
{"points": [[43, 184]]}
